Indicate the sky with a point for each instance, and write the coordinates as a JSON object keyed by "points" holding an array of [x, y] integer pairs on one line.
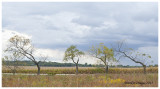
{"points": [[54, 26]]}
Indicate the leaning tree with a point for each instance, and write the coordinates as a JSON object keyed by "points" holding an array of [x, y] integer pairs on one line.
{"points": [[123, 51], [22, 45], [72, 53], [103, 53]]}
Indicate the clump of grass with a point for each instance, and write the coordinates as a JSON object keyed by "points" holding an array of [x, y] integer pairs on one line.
{"points": [[51, 73]]}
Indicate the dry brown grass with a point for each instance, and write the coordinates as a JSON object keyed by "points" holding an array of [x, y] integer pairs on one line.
{"points": [[91, 80], [46, 68], [117, 77], [82, 70], [43, 68]]}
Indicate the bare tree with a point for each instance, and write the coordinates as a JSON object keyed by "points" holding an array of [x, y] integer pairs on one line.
{"points": [[72, 53], [121, 50], [103, 53], [23, 46], [11, 61]]}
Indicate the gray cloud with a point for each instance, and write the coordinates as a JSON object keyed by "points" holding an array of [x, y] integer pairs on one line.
{"points": [[58, 25]]}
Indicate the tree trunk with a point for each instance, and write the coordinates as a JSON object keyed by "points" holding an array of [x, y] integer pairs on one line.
{"points": [[76, 69], [106, 69], [144, 67], [14, 68], [38, 72], [13, 71]]}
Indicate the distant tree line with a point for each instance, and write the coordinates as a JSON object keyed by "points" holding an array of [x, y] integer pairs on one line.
{"points": [[47, 64], [56, 64]]}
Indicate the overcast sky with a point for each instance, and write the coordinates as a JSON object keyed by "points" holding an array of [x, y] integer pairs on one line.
{"points": [[55, 26]]}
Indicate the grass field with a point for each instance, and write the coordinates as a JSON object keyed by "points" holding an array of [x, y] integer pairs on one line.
{"points": [[82, 70], [88, 80], [88, 77]]}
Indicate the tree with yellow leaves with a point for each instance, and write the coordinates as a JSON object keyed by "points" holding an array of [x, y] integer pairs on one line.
{"points": [[103, 53]]}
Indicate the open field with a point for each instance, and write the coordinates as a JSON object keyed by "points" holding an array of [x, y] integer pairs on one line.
{"points": [[88, 77], [88, 80], [45, 68], [82, 70]]}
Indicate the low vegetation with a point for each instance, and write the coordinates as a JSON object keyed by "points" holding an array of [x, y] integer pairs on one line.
{"points": [[82, 70], [85, 80]]}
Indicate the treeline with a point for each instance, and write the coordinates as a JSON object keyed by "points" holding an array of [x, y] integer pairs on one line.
{"points": [[48, 64], [56, 64]]}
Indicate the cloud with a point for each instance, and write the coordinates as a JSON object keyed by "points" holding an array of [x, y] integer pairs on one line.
{"points": [[55, 55], [78, 25], [59, 25], [7, 34], [152, 51], [149, 50]]}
